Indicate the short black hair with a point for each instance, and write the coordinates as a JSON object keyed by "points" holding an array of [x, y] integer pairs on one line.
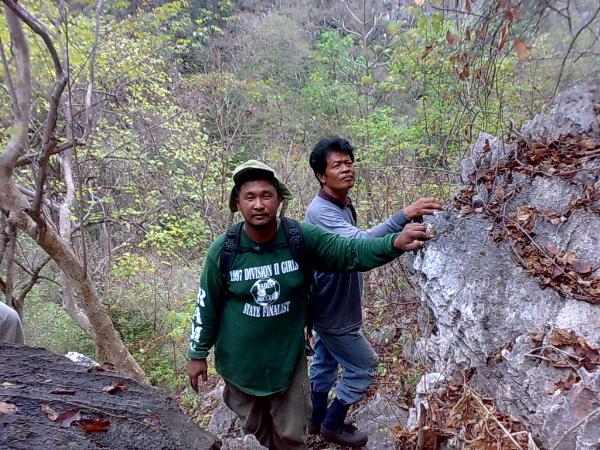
{"points": [[254, 175], [318, 156]]}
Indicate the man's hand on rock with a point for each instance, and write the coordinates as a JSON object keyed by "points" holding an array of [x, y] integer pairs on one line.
{"points": [[422, 207], [412, 237], [197, 368]]}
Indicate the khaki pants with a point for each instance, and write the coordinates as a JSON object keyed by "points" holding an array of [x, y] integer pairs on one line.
{"points": [[11, 330], [278, 421]]}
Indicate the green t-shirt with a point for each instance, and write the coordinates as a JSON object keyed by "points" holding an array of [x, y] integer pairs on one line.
{"points": [[256, 322]]}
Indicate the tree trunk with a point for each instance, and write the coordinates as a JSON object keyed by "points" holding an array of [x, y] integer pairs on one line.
{"points": [[103, 332]]}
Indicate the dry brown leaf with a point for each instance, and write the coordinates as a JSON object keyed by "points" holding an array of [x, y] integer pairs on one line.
{"points": [[522, 50], [451, 38], [67, 417], [581, 267], [49, 412], [561, 338], [93, 425], [8, 409], [427, 51], [503, 34], [113, 389], [63, 391]]}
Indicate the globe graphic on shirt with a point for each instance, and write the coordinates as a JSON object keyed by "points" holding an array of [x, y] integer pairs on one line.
{"points": [[265, 291]]}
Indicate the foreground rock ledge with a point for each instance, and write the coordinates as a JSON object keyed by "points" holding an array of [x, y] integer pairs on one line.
{"points": [[139, 416]]}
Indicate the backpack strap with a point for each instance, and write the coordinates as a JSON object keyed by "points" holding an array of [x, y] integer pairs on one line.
{"points": [[295, 242], [301, 254], [230, 249]]}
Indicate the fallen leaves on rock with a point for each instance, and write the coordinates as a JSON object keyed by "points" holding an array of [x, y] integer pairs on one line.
{"points": [[113, 389], [93, 425], [564, 349], [461, 412], [72, 416], [67, 417], [558, 269]]}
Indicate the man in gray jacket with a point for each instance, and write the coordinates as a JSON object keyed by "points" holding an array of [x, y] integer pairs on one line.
{"points": [[336, 310]]}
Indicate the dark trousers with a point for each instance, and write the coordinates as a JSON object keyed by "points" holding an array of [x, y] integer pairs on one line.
{"points": [[278, 421]]}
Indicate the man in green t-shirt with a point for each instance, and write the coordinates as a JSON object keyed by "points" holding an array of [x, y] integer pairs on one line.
{"points": [[255, 314]]}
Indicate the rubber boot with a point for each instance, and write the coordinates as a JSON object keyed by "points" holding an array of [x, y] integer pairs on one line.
{"points": [[319, 409], [335, 430]]}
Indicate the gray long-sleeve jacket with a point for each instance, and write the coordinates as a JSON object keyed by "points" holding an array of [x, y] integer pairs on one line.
{"points": [[336, 302]]}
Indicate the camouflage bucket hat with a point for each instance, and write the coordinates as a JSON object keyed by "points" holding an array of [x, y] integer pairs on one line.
{"points": [[254, 165]]}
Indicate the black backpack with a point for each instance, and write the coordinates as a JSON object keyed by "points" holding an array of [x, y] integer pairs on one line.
{"points": [[294, 241]]}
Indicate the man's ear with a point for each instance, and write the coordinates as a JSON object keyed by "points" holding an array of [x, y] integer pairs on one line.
{"points": [[237, 203], [321, 177]]}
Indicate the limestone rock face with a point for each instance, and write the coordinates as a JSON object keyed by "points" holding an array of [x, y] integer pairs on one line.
{"points": [[482, 305]]}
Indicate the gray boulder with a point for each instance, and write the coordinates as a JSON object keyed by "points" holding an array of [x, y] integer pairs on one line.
{"points": [[378, 418]]}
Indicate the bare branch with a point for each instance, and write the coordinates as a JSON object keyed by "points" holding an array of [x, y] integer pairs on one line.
{"points": [[10, 263], [48, 140], [566, 57], [22, 91], [33, 157], [38, 28], [9, 81]]}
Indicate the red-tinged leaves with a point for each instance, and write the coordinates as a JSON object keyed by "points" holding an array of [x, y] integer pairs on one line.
{"points": [[521, 49], [427, 51], [93, 425], [464, 72], [454, 59], [452, 38], [565, 385], [152, 420], [538, 337], [113, 389], [503, 3], [49, 412], [503, 34], [468, 6], [480, 34], [468, 33], [67, 417], [513, 14], [63, 391], [8, 409]]}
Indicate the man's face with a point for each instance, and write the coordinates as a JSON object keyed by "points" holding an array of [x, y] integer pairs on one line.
{"points": [[339, 173], [258, 202]]}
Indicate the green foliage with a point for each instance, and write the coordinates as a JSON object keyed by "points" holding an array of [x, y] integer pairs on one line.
{"points": [[48, 325]]}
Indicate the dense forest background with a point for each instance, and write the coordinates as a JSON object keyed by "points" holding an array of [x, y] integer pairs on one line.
{"points": [[126, 171]]}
